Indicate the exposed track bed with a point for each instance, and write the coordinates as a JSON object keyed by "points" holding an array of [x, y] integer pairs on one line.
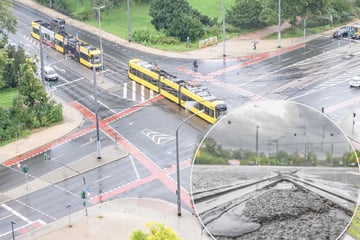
{"points": [[278, 206]]}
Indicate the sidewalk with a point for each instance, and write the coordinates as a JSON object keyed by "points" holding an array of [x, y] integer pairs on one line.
{"points": [[118, 218], [235, 47]]}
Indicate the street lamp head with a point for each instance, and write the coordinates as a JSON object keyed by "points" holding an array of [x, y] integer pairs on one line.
{"points": [[98, 8]]}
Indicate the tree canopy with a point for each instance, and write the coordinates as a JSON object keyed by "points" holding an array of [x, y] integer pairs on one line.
{"points": [[178, 19], [7, 21], [258, 13], [31, 107]]}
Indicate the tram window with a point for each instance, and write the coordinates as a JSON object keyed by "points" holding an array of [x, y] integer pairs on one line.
{"points": [[211, 113], [168, 89], [154, 81], [36, 30], [132, 70], [59, 43], [84, 56]]}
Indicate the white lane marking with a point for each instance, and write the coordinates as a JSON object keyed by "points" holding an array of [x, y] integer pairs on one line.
{"points": [[36, 210], [19, 215], [69, 82], [102, 179], [134, 90], [5, 217], [112, 110], [142, 93], [89, 142], [125, 90], [135, 168]]}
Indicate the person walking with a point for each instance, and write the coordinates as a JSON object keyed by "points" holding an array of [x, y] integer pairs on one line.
{"points": [[254, 44]]}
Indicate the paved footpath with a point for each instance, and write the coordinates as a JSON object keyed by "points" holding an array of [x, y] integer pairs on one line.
{"points": [[118, 218]]}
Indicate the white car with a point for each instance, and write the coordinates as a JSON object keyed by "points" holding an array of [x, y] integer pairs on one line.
{"points": [[50, 74], [355, 81]]}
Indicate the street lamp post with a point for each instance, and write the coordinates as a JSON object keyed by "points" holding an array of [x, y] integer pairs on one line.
{"points": [[96, 116], [223, 27], [41, 59], [279, 24], [257, 146], [95, 87], [129, 20], [178, 191], [12, 229], [99, 20]]}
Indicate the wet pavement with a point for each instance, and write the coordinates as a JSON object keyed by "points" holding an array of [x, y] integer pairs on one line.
{"points": [[282, 210], [125, 215]]}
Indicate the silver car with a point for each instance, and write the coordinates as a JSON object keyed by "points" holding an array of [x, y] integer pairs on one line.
{"points": [[355, 81], [50, 74]]}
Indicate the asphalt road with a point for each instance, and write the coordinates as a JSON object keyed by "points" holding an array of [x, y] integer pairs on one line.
{"points": [[309, 75]]}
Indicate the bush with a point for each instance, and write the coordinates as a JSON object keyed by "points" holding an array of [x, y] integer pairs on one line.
{"points": [[151, 37], [157, 232], [170, 40]]}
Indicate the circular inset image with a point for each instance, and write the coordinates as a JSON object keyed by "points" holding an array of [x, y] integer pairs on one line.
{"points": [[275, 170]]}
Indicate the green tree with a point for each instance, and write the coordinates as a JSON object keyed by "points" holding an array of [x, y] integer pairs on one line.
{"points": [[5, 125], [186, 26], [350, 158], [39, 108], [245, 14], [157, 232], [7, 21], [177, 19], [4, 61], [30, 87], [164, 12], [11, 74]]}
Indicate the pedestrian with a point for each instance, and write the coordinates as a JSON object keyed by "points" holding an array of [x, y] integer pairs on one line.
{"points": [[254, 44]]}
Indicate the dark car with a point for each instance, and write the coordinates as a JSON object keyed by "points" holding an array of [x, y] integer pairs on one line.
{"points": [[343, 32]]}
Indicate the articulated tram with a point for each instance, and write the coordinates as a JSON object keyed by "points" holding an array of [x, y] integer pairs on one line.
{"points": [[177, 90], [54, 36]]}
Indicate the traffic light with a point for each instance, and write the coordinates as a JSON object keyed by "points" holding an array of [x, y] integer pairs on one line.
{"points": [[46, 156], [83, 195], [25, 168]]}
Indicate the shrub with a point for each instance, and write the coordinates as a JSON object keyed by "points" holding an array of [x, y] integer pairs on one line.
{"points": [[157, 232]]}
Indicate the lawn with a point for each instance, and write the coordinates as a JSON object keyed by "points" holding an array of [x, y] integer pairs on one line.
{"points": [[115, 21], [7, 96], [211, 8]]}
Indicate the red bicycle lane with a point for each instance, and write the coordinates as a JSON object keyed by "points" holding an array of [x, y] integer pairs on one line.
{"points": [[156, 173], [244, 61]]}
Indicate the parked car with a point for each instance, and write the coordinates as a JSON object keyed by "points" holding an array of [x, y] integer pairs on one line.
{"points": [[50, 74], [343, 32], [355, 81]]}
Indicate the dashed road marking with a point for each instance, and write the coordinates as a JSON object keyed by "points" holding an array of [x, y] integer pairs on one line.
{"points": [[13, 211], [135, 168]]}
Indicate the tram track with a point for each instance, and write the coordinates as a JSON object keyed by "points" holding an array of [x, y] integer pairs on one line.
{"points": [[255, 209]]}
